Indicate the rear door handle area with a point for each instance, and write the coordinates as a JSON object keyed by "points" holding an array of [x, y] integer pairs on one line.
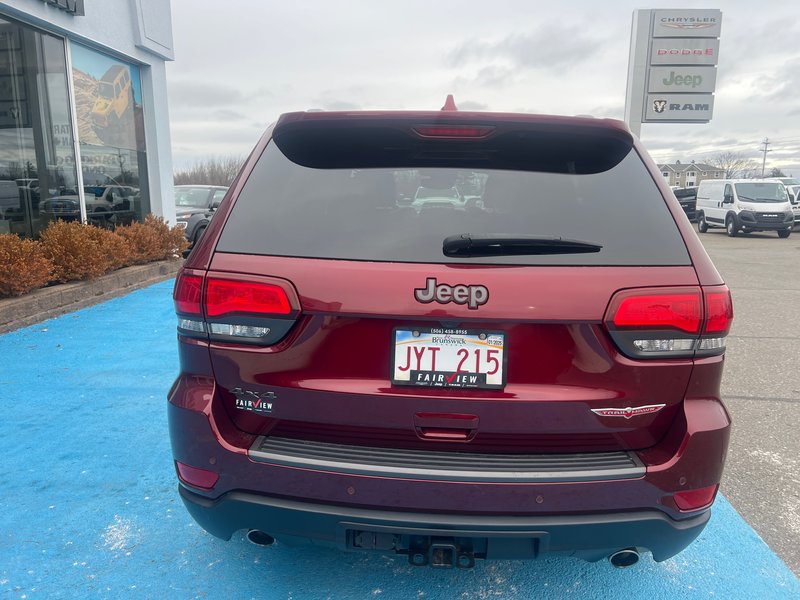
{"points": [[445, 427]]}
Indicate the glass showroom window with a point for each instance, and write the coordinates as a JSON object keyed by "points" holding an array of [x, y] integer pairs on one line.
{"points": [[108, 104], [37, 151]]}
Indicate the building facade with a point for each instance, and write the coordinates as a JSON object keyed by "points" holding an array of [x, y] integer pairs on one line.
{"points": [[84, 124], [689, 174]]}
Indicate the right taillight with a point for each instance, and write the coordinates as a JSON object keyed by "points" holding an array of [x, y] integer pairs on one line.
{"points": [[670, 322], [718, 320], [238, 309]]}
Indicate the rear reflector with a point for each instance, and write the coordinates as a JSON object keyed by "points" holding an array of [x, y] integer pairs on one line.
{"points": [[199, 478], [647, 310], [696, 499], [225, 296], [452, 131], [187, 294]]}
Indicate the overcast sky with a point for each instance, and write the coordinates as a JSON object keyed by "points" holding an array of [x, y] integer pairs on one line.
{"points": [[241, 63]]}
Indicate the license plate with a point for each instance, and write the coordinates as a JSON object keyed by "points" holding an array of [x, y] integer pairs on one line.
{"points": [[449, 358]]}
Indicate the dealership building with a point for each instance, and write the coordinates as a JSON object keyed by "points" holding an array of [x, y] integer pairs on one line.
{"points": [[84, 125]]}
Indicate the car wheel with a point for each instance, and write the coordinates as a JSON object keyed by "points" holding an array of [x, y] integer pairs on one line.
{"points": [[702, 225], [730, 226], [784, 233], [199, 233]]}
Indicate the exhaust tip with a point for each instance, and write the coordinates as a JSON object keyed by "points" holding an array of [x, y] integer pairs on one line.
{"points": [[259, 538], [624, 558]]}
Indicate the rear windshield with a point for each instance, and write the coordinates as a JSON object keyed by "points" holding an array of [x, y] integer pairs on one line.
{"points": [[404, 214]]}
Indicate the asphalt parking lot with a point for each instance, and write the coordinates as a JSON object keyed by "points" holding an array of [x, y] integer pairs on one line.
{"points": [[761, 385], [89, 506]]}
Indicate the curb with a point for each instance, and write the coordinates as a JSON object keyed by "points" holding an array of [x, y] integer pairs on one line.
{"points": [[56, 300]]}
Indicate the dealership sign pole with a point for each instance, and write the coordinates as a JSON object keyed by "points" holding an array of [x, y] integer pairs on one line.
{"points": [[672, 68]]}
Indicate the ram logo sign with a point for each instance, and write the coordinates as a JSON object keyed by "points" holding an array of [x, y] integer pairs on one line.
{"points": [[679, 107]]}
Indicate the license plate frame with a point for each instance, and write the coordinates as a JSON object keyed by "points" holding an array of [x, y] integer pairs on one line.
{"points": [[449, 378]]}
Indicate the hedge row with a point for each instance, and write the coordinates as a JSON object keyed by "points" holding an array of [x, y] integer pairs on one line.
{"points": [[71, 251]]}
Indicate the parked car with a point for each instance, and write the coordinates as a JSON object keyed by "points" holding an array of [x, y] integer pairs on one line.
{"points": [[687, 197], [536, 373], [794, 198], [432, 197], [787, 181], [195, 227], [105, 205], [194, 199], [745, 205]]}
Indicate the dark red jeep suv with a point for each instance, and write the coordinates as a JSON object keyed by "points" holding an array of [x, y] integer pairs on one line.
{"points": [[452, 336]]}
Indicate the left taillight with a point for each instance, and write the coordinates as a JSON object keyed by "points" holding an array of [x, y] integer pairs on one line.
{"points": [[244, 309]]}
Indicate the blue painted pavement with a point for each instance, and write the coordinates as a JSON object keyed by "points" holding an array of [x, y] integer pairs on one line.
{"points": [[89, 508]]}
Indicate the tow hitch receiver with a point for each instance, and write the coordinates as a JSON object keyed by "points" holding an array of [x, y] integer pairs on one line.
{"points": [[441, 552]]}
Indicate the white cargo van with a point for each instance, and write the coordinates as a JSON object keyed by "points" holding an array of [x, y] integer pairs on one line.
{"points": [[744, 205]]}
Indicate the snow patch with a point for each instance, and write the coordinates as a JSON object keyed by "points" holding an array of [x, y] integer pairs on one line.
{"points": [[118, 534]]}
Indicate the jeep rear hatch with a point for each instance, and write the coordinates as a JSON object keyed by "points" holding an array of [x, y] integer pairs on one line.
{"points": [[348, 216]]}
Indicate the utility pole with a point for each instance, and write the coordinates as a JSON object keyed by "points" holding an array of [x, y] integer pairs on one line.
{"points": [[766, 144]]}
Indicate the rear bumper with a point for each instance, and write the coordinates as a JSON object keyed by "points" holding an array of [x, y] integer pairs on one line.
{"points": [[591, 537], [587, 513]]}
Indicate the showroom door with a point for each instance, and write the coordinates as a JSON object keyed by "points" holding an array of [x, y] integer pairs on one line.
{"points": [[38, 176]]}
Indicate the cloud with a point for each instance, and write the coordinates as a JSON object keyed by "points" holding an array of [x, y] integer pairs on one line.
{"points": [[492, 76], [542, 49], [468, 105], [225, 114], [340, 105], [779, 85], [203, 93]]}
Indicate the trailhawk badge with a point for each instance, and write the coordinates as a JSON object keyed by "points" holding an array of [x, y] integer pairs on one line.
{"points": [[629, 411]]}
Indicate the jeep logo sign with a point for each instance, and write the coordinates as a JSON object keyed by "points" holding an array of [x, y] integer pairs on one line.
{"points": [[471, 295], [682, 79]]}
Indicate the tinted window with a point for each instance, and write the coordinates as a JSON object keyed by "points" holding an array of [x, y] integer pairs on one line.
{"points": [[371, 214], [195, 197]]}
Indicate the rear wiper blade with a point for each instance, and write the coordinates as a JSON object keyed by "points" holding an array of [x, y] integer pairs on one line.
{"points": [[513, 244]]}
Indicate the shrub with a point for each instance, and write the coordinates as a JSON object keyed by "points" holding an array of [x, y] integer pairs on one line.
{"points": [[143, 241], [116, 248], [75, 251], [23, 265], [172, 240], [153, 240]]}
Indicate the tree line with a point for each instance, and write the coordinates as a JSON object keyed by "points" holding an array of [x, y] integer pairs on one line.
{"points": [[215, 170]]}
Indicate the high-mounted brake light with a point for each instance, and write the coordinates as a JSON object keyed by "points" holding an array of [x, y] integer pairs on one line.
{"points": [[453, 131], [224, 296]]}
